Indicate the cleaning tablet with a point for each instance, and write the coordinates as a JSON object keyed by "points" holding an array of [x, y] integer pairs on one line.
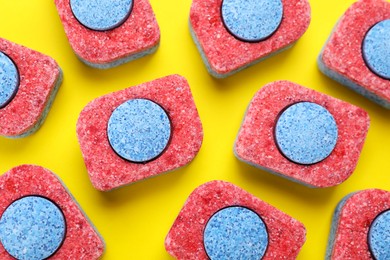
{"points": [[302, 135], [234, 34], [139, 132], [221, 221], [361, 227], [29, 82], [40, 219], [357, 53], [106, 33]]}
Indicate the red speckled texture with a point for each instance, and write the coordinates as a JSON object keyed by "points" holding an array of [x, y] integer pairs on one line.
{"points": [[137, 34], [225, 53], [81, 240], [38, 77], [105, 168], [354, 222], [343, 51], [255, 141], [185, 239]]}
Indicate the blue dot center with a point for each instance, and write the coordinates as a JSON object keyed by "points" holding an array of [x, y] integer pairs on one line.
{"points": [[9, 80], [376, 49], [101, 15], [252, 20], [32, 228], [139, 130], [306, 133], [235, 233], [379, 236]]}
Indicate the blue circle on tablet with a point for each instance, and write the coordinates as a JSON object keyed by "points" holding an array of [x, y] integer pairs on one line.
{"points": [[9, 80], [252, 20], [306, 133], [235, 233], [32, 228], [379, 236], [139, 130], [101, 15], [376, 49]]}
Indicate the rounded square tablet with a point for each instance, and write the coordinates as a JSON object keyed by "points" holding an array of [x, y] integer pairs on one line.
{"points": [[302, 135], [105, 34], [57, 227], [234, 34], [36, 78], [356, 55], [360, 226], [139, 132], [219, 220]]}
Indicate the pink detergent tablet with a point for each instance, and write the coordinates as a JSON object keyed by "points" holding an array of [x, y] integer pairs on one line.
{"points": [[221, 221], [139, 132], [39, 219], [106, 33], [302, 135], [357, 54], [361, 227], [234, 34], [29, 81]]}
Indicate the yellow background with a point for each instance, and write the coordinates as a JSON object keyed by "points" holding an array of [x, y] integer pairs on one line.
{"points": [[135, 219]]}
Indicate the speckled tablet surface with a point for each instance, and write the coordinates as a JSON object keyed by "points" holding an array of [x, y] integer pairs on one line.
{"points": [[352, 220], [81, 239], [137, 36], [39, 79], [229, 232], [106, 169], [252, 20], [256, 145], [224, 54], [379, 236], [306, 133], [32, 228], [185, 239], [342, 59], [376, 50], [139, 130], [9, 80], [101, 15]]}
